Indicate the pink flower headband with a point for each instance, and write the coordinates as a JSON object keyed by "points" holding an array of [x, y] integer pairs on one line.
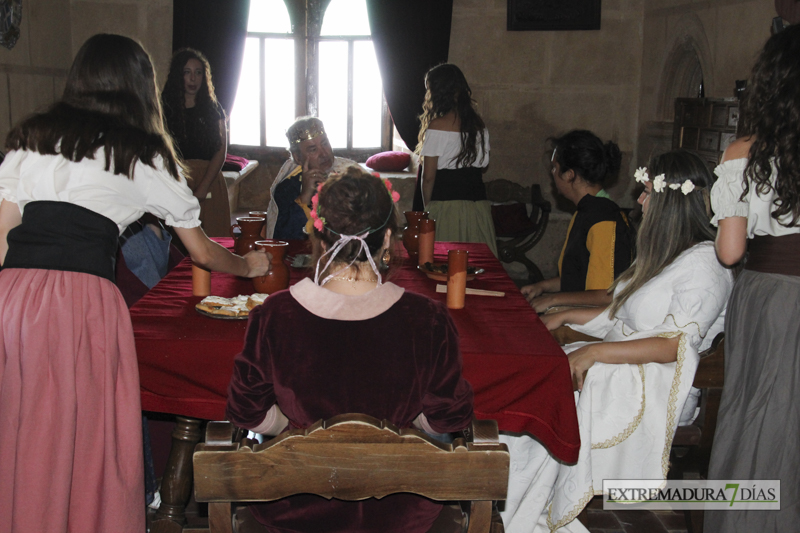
{"points": [[319, 222]]}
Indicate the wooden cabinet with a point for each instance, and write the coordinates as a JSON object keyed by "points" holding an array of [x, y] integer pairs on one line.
{"points": [[705, 125]]}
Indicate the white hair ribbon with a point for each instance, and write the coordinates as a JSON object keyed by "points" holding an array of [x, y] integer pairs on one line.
{"points": [[336, 248]]}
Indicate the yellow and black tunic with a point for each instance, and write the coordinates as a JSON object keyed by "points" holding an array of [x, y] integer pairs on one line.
{"points": [[599, 246]]}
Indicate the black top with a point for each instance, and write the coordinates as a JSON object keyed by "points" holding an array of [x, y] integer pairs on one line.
{"points": [[599, 246], [193, 143]]}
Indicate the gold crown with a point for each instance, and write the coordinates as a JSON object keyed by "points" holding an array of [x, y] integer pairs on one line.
{"points": [[306, 134]]}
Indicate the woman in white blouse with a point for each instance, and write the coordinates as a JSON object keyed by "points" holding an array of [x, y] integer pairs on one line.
{"points": [[76, 176], [757, 206], [454, 148], [635, 386]]}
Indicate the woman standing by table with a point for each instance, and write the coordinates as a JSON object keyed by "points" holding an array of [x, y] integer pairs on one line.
{"points": [[76, 176], [348, 342], [454, 147], [757, 201], [197, 123], [599, 243]]}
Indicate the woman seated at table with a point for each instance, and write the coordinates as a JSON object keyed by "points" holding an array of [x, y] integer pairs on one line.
{"points": [[599, 243], [348, 342], [667, 306]]}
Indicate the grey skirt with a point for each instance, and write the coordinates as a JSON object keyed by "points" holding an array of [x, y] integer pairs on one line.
{"points": [[758, 430]]}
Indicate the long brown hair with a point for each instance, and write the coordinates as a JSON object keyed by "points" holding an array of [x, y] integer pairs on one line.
{"points": [[771, 113], [674, 221], [448, 90], [110, 102], [174, 101]]}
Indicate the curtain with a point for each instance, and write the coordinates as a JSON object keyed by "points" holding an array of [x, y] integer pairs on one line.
{"points": [[410, 37], [218, 30]]}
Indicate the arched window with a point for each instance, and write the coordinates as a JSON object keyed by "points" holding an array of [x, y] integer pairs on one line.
{"points": [[265, 99], [325, 66]]}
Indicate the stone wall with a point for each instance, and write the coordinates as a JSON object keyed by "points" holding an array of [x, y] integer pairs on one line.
{"points": [[619, 82], [531, 85], [33, 73], [723, 37]]}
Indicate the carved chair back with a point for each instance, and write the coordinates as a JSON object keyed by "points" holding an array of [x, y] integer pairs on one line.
{"points": [[351, 457]]}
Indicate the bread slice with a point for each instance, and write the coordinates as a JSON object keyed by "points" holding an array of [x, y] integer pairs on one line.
{"points": [[217, 305], [256, 299]]}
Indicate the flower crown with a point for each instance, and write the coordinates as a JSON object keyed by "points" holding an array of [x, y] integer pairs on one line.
{"points": [[319, 222], [660, 182]]}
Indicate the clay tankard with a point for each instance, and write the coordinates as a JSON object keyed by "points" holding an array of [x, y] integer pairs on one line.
{"points": [[250, 228]]}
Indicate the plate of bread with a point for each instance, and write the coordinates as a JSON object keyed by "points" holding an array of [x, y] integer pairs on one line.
{"points": [[236, 308]]}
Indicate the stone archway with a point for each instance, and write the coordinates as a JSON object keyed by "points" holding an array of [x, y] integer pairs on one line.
{"points": [[686, 64], [682, 78]]}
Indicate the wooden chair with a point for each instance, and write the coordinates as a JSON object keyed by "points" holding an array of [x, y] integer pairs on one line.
{"points": [[691, 447], [352, 457], [516, 231]]}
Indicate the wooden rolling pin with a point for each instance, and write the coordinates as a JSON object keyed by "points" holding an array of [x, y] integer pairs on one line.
{"points": [[475, 292]]}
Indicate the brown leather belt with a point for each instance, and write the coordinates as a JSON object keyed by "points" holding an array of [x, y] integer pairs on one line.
{"points": [[774, 255]]}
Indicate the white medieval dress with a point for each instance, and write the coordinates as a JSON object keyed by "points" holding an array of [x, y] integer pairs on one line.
{"points": [[627, 413]]}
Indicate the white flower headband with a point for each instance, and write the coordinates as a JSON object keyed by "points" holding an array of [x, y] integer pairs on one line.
{"points": [[660, 182]]}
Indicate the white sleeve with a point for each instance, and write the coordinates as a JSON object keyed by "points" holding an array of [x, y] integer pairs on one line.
{"points": [[166, 197], [727, 190], [486, 148], [598, 327], [9, 175], [434, 144], [701, 292]]}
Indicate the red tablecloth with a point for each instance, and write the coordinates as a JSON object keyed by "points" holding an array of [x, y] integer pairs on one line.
{"points": [[520, 375]]}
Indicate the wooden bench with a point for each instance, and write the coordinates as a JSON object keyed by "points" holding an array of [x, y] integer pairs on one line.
{"points": [[352, 457]]}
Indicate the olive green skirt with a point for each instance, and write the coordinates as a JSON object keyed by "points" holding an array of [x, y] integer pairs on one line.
{"points": [[464, 221]]}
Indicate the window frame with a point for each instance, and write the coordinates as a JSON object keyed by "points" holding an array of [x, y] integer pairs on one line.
{"points": [[306, 38]]}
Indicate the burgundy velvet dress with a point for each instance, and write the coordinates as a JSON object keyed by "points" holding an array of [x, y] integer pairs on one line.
{"points": [[389, 354]]}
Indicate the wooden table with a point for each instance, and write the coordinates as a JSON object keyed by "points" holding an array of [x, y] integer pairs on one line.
{"points": [[519, 373]]}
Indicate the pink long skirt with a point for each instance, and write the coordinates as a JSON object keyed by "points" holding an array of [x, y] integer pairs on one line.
{"points": [[70, 414]]}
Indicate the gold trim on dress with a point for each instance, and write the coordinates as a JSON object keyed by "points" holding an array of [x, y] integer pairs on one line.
{"points": [[573, 513], [628, 431], [673, 396]]}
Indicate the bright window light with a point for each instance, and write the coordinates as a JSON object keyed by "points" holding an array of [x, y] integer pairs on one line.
{"points": [[333, 91], [245, 121], [268, 16], [343, 46], [279, 94], [346, 17], [367, 96]]}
